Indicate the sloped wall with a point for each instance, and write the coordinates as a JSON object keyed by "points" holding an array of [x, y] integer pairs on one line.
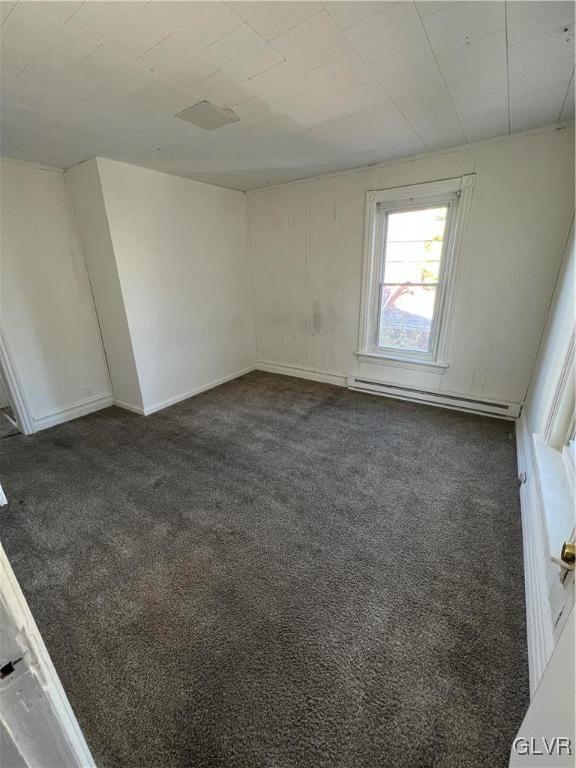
{"points": [[47, 313], [181, 273]]}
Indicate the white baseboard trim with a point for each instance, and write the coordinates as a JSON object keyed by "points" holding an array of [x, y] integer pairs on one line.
{"points": [[538, 615], [73, 411], [301, 372], [128, 407], [196, 391]]}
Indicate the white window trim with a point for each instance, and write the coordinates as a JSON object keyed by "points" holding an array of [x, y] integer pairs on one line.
{"points": [[458, 192]]}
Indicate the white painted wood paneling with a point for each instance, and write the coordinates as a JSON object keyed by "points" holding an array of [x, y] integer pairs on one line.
{"points": [[306, 242], [277, 238], [334, 220]]}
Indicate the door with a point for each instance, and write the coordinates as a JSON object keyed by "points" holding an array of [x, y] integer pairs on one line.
{"points": [[547, 734], [37, 725]]}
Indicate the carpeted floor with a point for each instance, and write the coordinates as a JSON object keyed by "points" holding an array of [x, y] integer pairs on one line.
{"points": [[277, 574]]}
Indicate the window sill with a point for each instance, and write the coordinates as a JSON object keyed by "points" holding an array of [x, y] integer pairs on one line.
{"points": [[430, 366]]}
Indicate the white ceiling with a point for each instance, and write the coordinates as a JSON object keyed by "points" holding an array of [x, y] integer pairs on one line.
{"points": [[318, 86]]}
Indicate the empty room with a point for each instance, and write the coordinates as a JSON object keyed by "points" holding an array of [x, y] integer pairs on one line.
{"points": [[287, 384]]}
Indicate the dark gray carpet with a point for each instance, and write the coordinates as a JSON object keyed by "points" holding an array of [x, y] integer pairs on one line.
{"points": [[278, 573]]}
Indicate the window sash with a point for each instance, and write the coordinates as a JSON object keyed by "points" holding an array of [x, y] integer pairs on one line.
{"points": [[450, 201]]}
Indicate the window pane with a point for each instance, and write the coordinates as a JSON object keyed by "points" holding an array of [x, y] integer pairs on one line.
{"points": [[413, 250], [406, 316], [406, 263], [423, 224], [414, 242]]}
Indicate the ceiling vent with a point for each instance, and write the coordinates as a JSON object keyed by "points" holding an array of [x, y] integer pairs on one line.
{"points": [[208, 116]]}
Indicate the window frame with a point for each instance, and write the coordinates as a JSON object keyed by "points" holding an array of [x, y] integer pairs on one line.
{"points": [[456, 193]]}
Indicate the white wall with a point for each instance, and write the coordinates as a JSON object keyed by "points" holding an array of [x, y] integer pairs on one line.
{"points": [[86, 193], [182, 263], [47, 314], [306, 243], [555, 342]]}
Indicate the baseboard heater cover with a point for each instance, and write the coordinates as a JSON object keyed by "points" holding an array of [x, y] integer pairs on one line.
{"points": [[458, 402]]}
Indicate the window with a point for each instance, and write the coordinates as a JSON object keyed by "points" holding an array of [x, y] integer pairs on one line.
{"points": [[409, 271]]}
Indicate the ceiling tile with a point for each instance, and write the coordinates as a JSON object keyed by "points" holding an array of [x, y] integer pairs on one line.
{"points": [[435, 122], [270, 20], [532, 19], [223, 90], [120, 26], [197, 24], [568, 107], [279, 83], [394, 29], [531, 110], [463, 23], [73, 112], [474, 86], [426, 92], [13, 60], [241, 53], [439, 132], [377, 128], [466, 60], [79, 90], [36, 32], [428, 7], [488, 104], [255, 111], [175, 60], [343, 74], [110, 71], [6, 9], [399, 68], [316, 106], [486, 126], [552, 74], [44, 74], [348, 12], [11, 139], [59, 11], [158, 96], [312, 43], [542, 49], [19, 93], [24, 117], [312, 107]]}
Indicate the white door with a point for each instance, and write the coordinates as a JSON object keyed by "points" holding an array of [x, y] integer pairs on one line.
{"points": [[547, 734], [37, 725]]}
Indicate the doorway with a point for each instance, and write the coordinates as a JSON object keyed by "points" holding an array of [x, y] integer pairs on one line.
{"points": [[8, 421]]}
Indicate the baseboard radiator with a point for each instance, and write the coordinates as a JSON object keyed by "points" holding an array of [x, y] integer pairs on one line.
{"points": [[443, 400]]}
